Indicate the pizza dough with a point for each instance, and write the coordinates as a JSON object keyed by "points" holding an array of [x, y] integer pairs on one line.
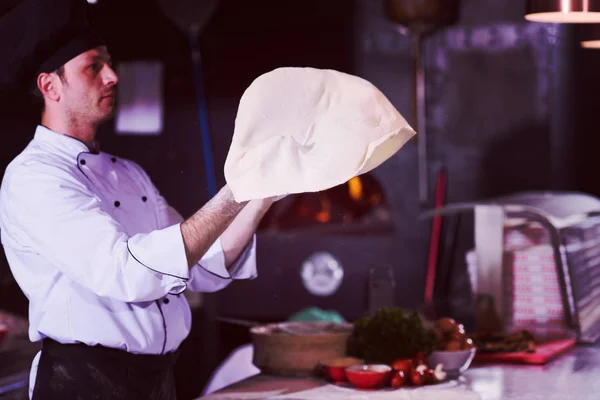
{"points": [[306, 130]]}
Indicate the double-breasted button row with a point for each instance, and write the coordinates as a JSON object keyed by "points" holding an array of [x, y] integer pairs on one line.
{"points": [[118, 203]]}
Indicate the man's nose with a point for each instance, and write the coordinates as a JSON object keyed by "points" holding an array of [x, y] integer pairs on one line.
{"points": [[110, 76]]}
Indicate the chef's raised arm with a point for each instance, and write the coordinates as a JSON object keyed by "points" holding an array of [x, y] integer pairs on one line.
{"points": [[213, 272]]}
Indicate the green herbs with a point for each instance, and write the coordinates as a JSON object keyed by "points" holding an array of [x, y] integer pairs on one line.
{"points": [[388, 335]]}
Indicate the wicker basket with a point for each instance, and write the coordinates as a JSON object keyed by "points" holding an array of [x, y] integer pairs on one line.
{"points": [[297, 348]]}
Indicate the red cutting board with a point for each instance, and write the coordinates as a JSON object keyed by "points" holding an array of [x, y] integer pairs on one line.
{"points": [[544, 352]]}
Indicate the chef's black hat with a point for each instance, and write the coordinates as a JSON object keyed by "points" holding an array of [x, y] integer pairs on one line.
{"points": [[40, 36]]}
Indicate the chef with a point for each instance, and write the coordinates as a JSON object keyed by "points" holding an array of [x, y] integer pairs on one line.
{"points": [[101, 256]]}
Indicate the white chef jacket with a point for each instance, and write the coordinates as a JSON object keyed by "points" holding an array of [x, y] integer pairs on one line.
{"points": [[98, 251]]}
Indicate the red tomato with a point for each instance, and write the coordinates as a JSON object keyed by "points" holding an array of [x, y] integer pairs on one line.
{"points": [[398, 379], [429, 378], [403, 364], [417, 377], [420, 359]]}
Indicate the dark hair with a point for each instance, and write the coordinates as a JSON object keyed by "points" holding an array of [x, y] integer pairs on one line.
{"points": [[37, 95]]}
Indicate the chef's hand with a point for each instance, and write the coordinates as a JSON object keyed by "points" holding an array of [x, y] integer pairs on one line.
{"points": [[265, 204]]}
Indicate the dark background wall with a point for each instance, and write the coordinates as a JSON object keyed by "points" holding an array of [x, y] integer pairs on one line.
{"points": [[510, 107]]}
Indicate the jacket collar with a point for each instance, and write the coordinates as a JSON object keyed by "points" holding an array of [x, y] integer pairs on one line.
{"points": [[66, 143]]}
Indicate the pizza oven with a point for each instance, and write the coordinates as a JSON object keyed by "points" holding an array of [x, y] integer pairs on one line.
{"points": [[319, 250], [359, 205]]}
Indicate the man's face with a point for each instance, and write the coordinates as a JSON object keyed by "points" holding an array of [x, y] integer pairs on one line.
{"points": [[88, 92]]}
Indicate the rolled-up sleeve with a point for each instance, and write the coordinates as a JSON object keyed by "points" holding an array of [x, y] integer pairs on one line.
{"points": [[53, 214], [211, 274]]}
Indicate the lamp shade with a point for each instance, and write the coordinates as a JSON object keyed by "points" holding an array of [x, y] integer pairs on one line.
{"points": [[422, 16], [591, 36], [563, 11]]}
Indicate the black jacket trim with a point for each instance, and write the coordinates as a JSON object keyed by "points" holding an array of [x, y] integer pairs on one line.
{"points": [[230, 277], [79, 166], [236, 265], [164, 326], [152, 269]]}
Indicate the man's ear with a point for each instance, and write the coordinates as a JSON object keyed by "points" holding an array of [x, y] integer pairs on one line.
{"points": [[48, 86]]}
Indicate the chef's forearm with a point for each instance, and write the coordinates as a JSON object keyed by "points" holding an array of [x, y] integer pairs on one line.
{"points": [[237, 236], [203, 228]]}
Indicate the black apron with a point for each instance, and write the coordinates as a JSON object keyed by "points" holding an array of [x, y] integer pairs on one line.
{"points": [[80, 372]]}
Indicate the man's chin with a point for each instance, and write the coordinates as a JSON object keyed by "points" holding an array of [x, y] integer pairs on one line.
{"points": [[107, 116]]}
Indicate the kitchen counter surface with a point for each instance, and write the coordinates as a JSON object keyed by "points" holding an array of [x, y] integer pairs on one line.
{"points": [[572, 376]]}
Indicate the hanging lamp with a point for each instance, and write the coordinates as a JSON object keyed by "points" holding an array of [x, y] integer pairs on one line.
{"points": [[591, 36], [418, 18], [563, 11]]}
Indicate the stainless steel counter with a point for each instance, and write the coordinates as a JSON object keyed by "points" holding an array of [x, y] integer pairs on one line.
{"points": [[574, 375]]}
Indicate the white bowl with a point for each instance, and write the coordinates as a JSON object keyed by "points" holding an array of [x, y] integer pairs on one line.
{"points": [[454, 362]]}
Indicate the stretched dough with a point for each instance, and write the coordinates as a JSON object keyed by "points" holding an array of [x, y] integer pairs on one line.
{"points": [[306, 130]]}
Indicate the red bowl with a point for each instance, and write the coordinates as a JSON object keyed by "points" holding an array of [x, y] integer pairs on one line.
{"points": [[336, 374], [335, 369], [370, 376]]}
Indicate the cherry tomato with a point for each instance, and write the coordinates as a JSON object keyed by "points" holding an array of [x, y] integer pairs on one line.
{"points": [[398, 379], [403, 364], [417, 377], [458, 333], [420, 359], [446, 324], [453, 345], [468, 344], [429, 378]]}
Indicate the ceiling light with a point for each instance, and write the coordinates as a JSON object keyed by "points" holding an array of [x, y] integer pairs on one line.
{"points": [[591, 36], [563, 11]]}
